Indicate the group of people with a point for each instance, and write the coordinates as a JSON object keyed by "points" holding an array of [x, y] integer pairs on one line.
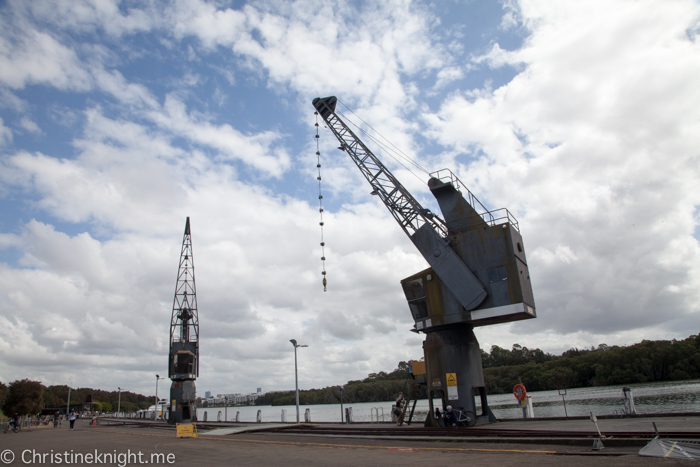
{"points": [[449, 417], [58, 419]]}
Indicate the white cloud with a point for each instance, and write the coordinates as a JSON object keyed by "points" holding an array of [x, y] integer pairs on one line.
{"points": [[448, 75], [593, 146], [36, 57], [29, 125], [5, 134], [88, 15]]}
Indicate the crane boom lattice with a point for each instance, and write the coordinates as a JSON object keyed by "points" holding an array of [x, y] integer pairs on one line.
{"points": [[407, 211], [184, 324]]}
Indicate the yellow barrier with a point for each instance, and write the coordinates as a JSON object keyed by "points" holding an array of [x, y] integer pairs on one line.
{"points": [[186, 430]]}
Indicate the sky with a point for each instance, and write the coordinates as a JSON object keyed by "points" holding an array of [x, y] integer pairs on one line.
{"points": [[119, 119]]}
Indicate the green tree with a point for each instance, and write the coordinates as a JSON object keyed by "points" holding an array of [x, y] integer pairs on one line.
{"points": [[51, 399], [24, 397], [128, 407], [3, 392]]}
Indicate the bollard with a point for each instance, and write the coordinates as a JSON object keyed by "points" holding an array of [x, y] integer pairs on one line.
{"points": [[205, 415], [348, 414], [218, 416], [259, 417], [630, 409], [307, 416], [284, 416], [238, 416], [526, 405], [530, 411]]}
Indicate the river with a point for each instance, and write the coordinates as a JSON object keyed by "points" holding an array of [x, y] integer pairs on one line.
{"points": [[664, 397]]}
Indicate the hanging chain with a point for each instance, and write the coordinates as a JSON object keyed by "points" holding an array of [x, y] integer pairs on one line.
{"points": [[320, 206]]}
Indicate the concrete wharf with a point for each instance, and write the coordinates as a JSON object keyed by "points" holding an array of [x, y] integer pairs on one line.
{"points": [[508, 443]]}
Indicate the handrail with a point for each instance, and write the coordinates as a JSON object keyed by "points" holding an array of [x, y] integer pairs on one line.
{"points": [[371, 414], [495, 217]]}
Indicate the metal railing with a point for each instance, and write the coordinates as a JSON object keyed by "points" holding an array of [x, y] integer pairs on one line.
{"points": [[372, 412], [495, 217]]}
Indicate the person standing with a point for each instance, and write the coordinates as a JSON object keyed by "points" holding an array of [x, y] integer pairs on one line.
{"points": [[400, 407], [71, 419]]}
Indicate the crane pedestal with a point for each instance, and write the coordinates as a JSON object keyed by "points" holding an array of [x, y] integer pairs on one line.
{"points": [[454, 374], [183, 396]]}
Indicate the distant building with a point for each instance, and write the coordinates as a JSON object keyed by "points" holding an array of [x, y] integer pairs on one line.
{"points": [[229, 399], [207, 394]]}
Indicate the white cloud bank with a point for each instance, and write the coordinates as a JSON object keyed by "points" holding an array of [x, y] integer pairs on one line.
{"points": [[593, 146]]}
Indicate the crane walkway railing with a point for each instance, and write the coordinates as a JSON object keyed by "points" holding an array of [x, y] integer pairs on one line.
{"points": [[495, 217]]}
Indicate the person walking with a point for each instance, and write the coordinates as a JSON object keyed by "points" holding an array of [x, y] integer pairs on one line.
{"points": [[71, 419]]}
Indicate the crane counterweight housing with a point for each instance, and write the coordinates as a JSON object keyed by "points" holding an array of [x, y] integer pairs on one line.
{"points": [[478, 272]]}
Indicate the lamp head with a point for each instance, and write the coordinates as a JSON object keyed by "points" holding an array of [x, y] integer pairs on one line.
{"points": [[293, 341]]}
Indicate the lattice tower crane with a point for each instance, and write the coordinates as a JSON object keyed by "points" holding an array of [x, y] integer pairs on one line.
{"points": [[183, 358]]}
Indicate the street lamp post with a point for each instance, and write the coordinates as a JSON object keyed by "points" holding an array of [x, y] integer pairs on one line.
{"points": [[226, 408], [70, 383], [155, 415], [296, 374], [119, 404]]}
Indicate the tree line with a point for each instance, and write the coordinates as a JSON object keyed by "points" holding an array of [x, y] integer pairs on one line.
{"points": [[27, 397], [604, 365], [376, 387], [647, 361]]}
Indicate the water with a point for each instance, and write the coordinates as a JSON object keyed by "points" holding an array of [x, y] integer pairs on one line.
{"points": [[665, 397]]}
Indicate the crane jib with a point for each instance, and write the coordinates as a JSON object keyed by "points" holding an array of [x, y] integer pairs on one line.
{"points": [[419, 223]]}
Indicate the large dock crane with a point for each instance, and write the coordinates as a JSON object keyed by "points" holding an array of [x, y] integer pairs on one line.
{"points": [[183, 358], [478, 273]]}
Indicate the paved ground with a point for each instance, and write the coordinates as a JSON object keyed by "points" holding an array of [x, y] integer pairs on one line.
{"points": [[291, 450], [607, 425]]}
